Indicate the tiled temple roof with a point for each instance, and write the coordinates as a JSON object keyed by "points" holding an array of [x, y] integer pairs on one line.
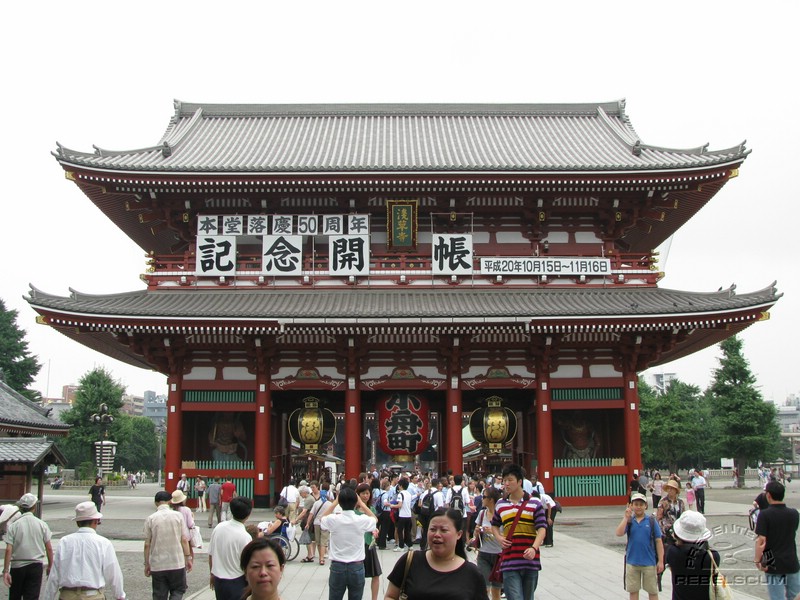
{"points": [[379, 306], [18, 413], [334, 138]]}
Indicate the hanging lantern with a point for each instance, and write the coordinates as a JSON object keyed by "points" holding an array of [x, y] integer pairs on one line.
{"points": [[403, 421], [493, 425], [312, 426]]}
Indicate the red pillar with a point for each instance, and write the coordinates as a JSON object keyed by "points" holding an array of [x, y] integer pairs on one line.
{"points": [[277, 452], [352, 431], [262, 442], [174, 432], [454, 454], [544, 434], [633, 443]]}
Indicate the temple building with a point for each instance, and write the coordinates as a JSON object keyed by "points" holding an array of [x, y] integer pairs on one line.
{"points": [[365, 282]]}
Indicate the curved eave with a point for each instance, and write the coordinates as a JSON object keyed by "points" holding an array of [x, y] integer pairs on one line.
{"points": [[27, 429], [129, 175]]}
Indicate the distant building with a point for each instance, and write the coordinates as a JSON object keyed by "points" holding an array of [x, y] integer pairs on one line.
{"points": [[68, 393], [155, 408], [661, 381], [132, 405], [789, 418]]}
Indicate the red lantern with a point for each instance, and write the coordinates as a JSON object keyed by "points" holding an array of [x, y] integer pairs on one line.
{"points": [[403, 424]]}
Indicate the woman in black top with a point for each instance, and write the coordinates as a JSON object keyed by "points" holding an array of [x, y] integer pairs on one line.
{"points": [[443, 572], [689, 558], [98, 493]]}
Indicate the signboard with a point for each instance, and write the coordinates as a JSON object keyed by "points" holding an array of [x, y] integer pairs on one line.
{"points": [[348, 255], [545, 265], [452, 254]]}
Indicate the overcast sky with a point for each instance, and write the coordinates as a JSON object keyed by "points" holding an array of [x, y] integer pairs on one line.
{"points": [[106, 73]]}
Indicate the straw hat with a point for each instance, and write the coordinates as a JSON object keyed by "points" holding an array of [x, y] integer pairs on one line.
{"points": [[178, 497], [673, 484], [691, 527]]}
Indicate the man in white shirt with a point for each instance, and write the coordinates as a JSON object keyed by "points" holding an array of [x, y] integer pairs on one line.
{"points": [[225, 551], [403, 503], [292, 495], [699, 484], [84, 562], [27, 544], [346, 546], [167, 558]]}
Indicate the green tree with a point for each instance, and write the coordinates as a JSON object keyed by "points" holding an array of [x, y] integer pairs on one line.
{"points": [[138, 444], [671, 424], [95, 388], [745, 426], [18, 367]]}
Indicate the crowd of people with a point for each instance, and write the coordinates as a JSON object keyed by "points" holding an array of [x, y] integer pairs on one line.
{"points": [[506, 519]]}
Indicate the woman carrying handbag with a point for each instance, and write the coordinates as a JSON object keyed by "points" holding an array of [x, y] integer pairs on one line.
{"points": [[488, 547]]}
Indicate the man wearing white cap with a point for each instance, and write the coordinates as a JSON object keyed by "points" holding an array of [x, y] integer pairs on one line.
{"points": [[644, 552], [85, 566], [27, 544]]}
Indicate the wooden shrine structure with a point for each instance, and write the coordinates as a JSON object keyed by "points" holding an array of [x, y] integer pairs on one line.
{"points": [[413, 261]]}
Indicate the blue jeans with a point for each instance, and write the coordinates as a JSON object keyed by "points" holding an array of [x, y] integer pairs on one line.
{"points": [[783, 587], [346, 576], [520, 584]]}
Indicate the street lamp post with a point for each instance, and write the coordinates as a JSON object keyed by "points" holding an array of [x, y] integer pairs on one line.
{"points": [[103, 418]]}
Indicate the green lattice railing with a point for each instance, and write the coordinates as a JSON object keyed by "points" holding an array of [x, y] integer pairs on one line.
{"points": [[565, 463], [590, 485], [219, 396], [587, 393]]}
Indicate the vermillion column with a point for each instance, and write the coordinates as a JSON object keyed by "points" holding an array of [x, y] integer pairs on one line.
{"points": [[633, 443], [261, 489], [544, 434], [352, 429], [454, 454], [174, 432]]}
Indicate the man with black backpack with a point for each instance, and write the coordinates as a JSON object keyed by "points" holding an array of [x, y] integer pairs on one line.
{"points": [[458, 497], [424, 510]]}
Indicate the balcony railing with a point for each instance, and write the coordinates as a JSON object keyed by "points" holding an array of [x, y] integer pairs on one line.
{"points": [[388, 269]]}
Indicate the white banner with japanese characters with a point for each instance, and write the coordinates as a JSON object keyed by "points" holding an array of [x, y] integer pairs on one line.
{"points": [[348, 255], [282, 255], [545, 265], [216, 255], [452, 254]]}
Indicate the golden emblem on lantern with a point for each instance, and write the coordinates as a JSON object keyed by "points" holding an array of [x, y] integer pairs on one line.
{"points": [[312, 426], [493, 425]]}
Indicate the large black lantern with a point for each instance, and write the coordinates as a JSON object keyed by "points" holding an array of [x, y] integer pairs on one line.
{"points": [[312, 426], [493, 425]]}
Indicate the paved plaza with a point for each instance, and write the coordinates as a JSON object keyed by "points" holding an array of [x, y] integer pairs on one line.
{"points": [[585, 562]]}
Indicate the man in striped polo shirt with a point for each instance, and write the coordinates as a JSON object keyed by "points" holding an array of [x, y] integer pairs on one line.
{"points": [[521, 558]]}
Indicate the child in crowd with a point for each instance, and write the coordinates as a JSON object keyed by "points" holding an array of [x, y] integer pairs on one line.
{"points": [[690, 495]]}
